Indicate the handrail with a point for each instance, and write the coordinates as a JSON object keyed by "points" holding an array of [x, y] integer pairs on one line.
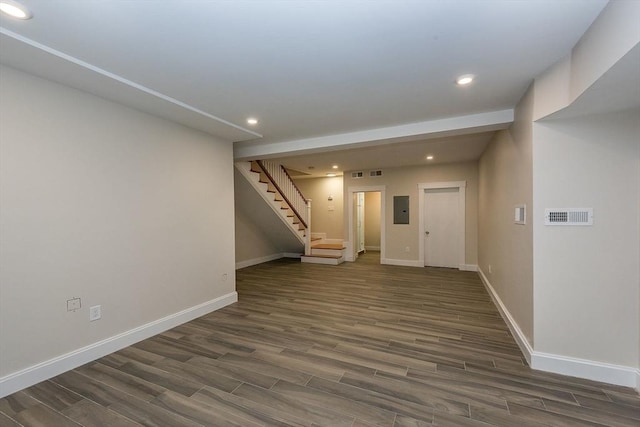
{"points": [[297, 207]]}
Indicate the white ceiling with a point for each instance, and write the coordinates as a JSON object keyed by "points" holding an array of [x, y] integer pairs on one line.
{"points": [[445, 150], [305, 69]]}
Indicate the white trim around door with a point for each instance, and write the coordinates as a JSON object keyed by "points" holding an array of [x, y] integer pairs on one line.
{"points": [[350, 255], [461, 186]]}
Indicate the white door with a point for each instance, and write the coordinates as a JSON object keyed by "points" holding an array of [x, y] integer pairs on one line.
{"points": [[360, 222], [441, 225]]}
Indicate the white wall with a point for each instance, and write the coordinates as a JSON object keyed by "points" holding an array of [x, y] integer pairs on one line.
{"points": [[612, 35], [108, 204], [326, 215], [587, 279], [404, 182], [505, 249]]}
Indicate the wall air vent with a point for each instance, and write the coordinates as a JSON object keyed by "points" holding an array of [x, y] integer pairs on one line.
{"points": [[357, 174], [568, 216], [375, 173]]}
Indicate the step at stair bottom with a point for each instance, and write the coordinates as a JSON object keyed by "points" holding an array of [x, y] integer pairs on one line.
{"points": [[323, 259], [338, 246], [336, 249]]}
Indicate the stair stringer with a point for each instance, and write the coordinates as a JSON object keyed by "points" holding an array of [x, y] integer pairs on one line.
{"points": [[261, 188]]}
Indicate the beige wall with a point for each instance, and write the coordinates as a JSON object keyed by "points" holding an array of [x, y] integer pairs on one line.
{"points": [[505, 249], [372, 220], [108, 204], [326, 215], [404, 181], [587, 279], [251, 241]]}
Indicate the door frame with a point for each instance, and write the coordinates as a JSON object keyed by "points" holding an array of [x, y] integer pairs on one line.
{"points": [[461, 186], [360, 222], [351, 256]]}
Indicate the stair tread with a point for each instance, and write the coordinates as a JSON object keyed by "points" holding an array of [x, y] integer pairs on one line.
{"points": [[313, 239], [322, 256], [337, 246]]}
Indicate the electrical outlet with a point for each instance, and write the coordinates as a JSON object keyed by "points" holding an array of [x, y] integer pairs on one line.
{"points": [[95, 312], [489, 268], [224, 277], [407, 249]]}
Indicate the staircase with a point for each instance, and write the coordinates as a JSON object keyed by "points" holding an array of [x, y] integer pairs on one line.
{"points": [[278, 190], [325, 253]]}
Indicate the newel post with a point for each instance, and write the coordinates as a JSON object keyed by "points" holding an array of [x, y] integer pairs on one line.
{"points": [[307, 243]]}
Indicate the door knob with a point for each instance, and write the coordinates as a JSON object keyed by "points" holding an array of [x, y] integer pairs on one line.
{"points": [[426, 232]]}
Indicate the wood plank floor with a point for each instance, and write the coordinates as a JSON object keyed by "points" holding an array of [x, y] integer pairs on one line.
{"points": [[358, 344]]}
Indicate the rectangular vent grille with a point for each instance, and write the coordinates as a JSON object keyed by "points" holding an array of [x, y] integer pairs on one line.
{"points": [[375, 173], [357, 174], [568, 216]]}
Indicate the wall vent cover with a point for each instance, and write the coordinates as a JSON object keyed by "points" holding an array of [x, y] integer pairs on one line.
{"points": [[375, 173], [357, 174], [568, 216]]}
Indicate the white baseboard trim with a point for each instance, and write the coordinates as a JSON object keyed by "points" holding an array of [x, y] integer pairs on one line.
{"points": [[372, 248], [468, 267], [517, 333], [597, 371], [291, 255], [588, 369], [256, 261], [50, 368], [402, 262]]}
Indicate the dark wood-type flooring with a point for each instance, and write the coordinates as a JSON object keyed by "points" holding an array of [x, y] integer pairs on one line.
{"points": [[358, 344]]}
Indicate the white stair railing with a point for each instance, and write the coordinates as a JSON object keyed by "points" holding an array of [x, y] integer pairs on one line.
{"points": [[292, 195]]}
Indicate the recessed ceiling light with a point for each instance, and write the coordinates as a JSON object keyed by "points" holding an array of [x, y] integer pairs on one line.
{"points": [[331, 174], [429, 157], [334, 167], [15, 9], [252, 121], [465, 79]]}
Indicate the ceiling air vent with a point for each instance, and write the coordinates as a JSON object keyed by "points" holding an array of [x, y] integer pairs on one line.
{"points": [[375, 173], [568, 216], [357, 174]]}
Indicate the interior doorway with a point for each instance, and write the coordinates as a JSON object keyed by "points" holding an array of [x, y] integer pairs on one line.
{"points": [[367, 207], [442, 224], [360, 222], [366, 229]]}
